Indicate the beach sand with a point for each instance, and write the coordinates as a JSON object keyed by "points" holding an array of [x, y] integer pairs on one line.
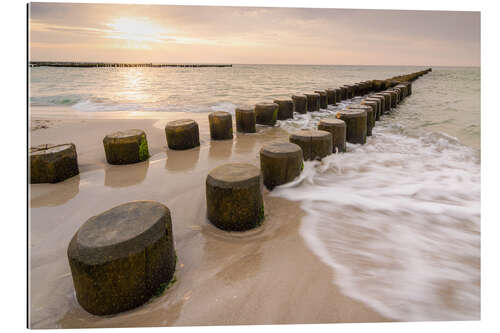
{"points": [[264, 276]]}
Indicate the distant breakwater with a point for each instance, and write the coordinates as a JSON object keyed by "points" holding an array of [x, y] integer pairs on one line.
{"points": [[107, 64]]}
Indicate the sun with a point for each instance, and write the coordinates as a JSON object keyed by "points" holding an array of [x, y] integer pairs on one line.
{"points": [[139, 30]]}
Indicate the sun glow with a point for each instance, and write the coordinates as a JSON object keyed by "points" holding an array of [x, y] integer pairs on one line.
{"points": [[137, 30]]}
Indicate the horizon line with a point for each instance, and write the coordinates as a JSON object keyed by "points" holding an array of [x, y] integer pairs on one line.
{"points": [[265, 64]]}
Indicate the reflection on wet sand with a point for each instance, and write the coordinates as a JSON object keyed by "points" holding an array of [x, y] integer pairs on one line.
{"points": [[46, 195], [244, 143], [182, 160], [220, 149], [125, 175]]}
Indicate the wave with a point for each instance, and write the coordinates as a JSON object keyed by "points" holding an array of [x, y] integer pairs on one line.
{"points": [[398, 219]]}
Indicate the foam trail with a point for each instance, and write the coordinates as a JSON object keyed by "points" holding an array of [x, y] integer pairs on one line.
{"points": [[398, 220]]}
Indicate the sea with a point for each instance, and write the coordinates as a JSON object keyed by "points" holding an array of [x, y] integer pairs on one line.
{"points": [[397, 219]]}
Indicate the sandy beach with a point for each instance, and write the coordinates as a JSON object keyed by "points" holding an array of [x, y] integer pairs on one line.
{"points": [[265, 276]]}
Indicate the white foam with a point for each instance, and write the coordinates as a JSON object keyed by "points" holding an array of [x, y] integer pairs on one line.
{"points": [[398, 220]]}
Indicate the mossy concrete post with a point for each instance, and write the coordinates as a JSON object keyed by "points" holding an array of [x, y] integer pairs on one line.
{"points": [[234, 197], [381, 99], [370, 116], [323, 99], [337, 129], [312, 102], [280, 163], [51, 163], [266, 113], [378, 85], [356, 123], [348, 91], [343, 93], [245, 119], [398, 92], [404, 89], [387, 100], [376, 102], [126, 147], [338, 95], [315, 144], [299, 103], [182, 134], [221, 125], [331, 96], [285, 108], [122, 257], [394, 98], [357, 88]]}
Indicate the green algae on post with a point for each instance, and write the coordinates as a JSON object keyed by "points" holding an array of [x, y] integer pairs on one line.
{"points": [[126, 147], [121, 257], [182, 134], [280, 163], [234, 197], [53, 163]]}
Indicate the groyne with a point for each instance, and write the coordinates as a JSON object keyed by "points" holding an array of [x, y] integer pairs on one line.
{"points": [[111, 64], [234, 196]]}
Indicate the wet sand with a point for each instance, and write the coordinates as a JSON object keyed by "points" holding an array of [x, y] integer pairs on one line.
{"points": [[264, 276]]}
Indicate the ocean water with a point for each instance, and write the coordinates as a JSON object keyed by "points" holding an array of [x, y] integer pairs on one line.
{"points": [[397, 219]]}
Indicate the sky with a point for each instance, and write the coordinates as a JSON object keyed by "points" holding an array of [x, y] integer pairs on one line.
{"points": [[252, 35]]}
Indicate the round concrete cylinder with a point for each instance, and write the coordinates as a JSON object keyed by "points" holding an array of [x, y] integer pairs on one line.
{"points": [[331, 96], [370, 116], [343, 93], [53, 163], [338, 95], [266, 113], [126, 147], [356, 123], [221, 125], [323, 99], [299, 103], [182, 134], [387, 99], [378, 104], [374, 105], [234, 197], [120, 258], [285, 108], [245, 119], [337, 129], [312, 102], [394, 98], [280, 163], [315, 144], [381, 99], [349, 91]]}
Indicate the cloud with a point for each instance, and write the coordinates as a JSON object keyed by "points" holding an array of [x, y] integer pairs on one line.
{"points": [[285, 35]]}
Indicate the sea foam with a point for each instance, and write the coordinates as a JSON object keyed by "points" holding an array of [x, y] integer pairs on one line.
{"points": [[398, 220]]}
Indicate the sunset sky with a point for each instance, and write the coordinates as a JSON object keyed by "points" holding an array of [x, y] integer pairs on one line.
{"points": [[183, 34]]}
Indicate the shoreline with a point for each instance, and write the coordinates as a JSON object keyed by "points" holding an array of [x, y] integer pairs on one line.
{"points": [[266, 276]]}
